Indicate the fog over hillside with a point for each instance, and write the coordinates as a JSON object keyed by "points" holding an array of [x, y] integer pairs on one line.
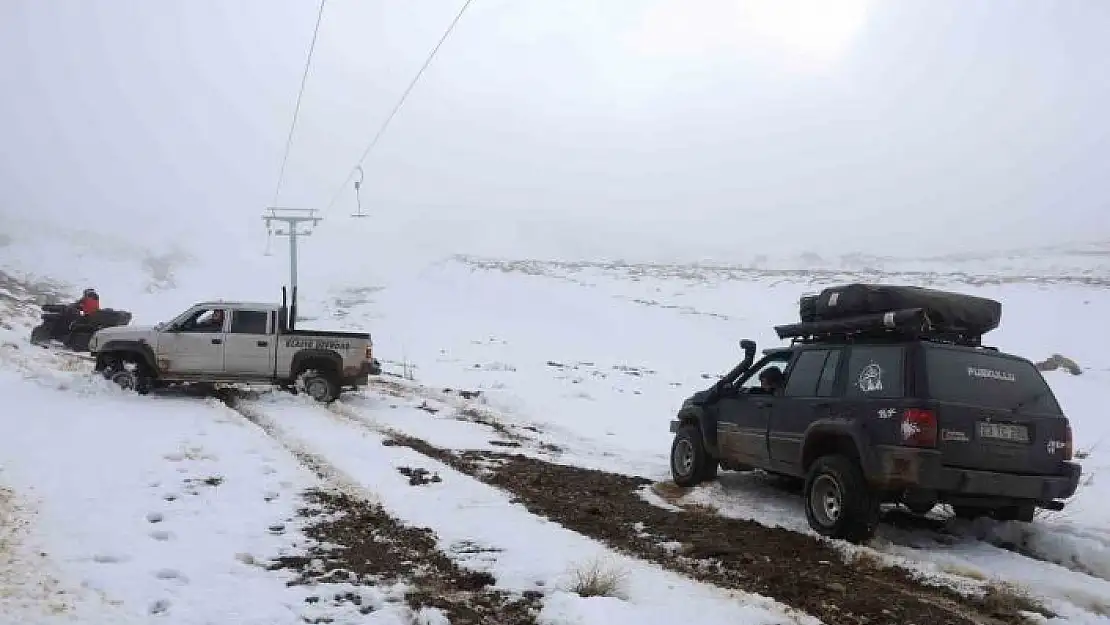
{"points": [[644, 131]]}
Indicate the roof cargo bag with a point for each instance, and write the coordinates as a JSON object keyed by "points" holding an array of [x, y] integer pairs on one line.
{"points": [[807, 308], [945, 310]]}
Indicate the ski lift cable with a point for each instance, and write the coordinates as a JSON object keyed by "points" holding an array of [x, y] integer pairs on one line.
{"points": [[397, 106], [300, 96]]}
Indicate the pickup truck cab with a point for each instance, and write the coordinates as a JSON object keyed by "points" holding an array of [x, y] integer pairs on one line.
{"points": [[235, 342]]}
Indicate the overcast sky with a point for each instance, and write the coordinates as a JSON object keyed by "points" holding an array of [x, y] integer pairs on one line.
{"points": [[692, 129]]}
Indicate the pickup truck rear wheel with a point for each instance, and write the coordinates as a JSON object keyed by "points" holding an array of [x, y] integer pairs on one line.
{"points": [[838, 501], [319, 386], [691, 463]]}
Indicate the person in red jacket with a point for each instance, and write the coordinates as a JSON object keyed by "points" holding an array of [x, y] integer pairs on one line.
{"points": [[89, 302]]}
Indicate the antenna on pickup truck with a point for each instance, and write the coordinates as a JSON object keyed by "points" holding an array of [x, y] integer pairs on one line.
{"points": [[293, 311], [283, 313]]}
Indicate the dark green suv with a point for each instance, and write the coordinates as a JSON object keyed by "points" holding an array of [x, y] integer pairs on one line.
{"points": [[900, 404]]}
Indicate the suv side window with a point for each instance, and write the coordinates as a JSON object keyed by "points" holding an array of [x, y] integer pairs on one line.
{"points": [[813, 374], [875, 371], [806, 373], [778, 360], [828, 374], [249, 322]]}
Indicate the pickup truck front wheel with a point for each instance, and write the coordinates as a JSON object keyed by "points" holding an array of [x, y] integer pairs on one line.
{"points": [[319, 386], [128, 375]]}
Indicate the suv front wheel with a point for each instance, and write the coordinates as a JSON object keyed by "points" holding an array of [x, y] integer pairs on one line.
{"points": [[838, 501], [691, 463]]}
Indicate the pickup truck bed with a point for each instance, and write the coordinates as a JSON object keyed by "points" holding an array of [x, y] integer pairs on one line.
{"points": [[328, 333]]}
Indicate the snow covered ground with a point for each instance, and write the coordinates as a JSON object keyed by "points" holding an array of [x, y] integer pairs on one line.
{"points": [[115, 507]]}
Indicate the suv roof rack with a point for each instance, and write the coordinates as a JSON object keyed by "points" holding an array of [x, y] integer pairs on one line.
{"points": [[910, 324]]}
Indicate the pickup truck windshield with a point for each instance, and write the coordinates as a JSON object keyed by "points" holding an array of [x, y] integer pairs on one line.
{"points": [[987, 380]]}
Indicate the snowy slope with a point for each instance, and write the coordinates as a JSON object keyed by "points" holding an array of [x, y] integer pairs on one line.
{"points": [[580, 364]]}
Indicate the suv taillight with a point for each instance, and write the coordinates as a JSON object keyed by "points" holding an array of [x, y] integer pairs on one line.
{"points": [[919, 427], [369, 352], [1068, 442]]}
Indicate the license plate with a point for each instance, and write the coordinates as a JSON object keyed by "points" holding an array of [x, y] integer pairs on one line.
{"points": [[1004, 432]]}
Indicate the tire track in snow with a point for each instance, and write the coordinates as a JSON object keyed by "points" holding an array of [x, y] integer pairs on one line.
{"points": [[359, 541]]}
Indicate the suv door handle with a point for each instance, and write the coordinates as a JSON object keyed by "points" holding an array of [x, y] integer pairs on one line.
{"points": [[763, 403], [217, 341], [262, 343]]}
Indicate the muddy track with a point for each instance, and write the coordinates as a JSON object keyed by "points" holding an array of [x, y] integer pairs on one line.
{"points": [[792, 568], [356, 541], [517, 436]]}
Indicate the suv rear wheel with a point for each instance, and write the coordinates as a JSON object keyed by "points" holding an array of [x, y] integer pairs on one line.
{"points": [[691, 463], [838, 501]]}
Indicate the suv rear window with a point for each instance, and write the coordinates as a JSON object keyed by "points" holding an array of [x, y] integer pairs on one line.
{"points": [[987, 380]]}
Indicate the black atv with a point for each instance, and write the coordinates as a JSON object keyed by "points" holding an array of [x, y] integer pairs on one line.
{"points": [[65, 324]]}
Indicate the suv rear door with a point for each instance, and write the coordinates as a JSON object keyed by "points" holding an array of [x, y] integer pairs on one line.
{"points": [[995, 412], [806, 398]]}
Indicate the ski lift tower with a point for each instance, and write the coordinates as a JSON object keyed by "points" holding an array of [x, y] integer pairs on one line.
{"points": [[294, 220]]}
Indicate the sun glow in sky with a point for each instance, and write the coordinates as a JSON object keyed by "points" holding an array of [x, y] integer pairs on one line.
{"points": [[809, 32]]}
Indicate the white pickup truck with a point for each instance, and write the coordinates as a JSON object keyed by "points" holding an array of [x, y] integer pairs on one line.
{"points": [[235, 342]]}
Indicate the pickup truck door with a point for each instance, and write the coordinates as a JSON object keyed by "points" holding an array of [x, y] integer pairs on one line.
{"points": [[250, 344], [196, 345]]}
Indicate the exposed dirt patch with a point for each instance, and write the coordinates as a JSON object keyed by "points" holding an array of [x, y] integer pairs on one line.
{"points": [[357, 542], [213, 481], [419, 477], [795, 569]]}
